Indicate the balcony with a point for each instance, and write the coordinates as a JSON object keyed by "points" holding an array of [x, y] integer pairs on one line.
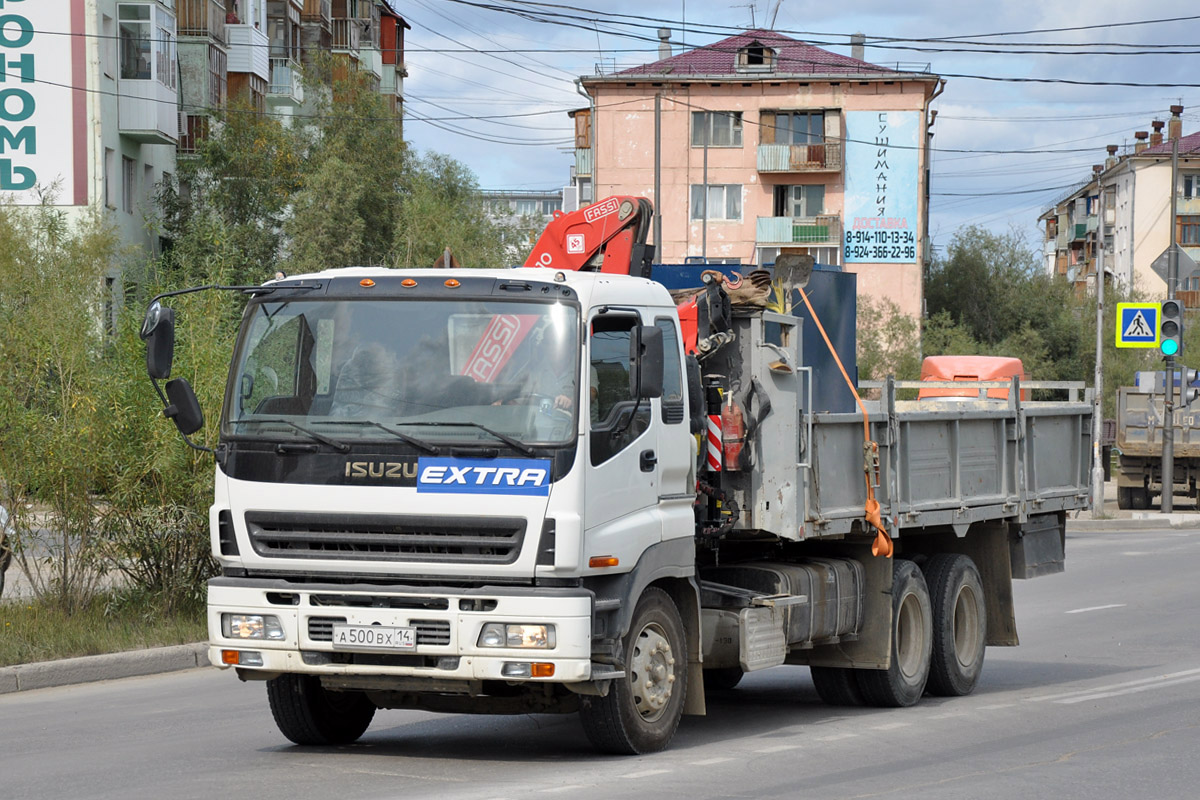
{"points": [[248, 50], [285, 85], [317, 11], [800, 157], [347, 35], [824, 230], [372, 61], [147, 112], [1079, 231], [201, 18], [583, 161]]}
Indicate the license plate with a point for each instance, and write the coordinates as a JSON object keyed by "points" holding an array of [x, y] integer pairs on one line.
{"points": [[373, 637]]}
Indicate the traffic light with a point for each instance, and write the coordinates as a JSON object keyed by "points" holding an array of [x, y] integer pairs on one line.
{"points": [[1171, 328], [1187, 392]]}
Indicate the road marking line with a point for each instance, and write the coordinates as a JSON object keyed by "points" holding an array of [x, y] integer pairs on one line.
{"points": [[567, 788], [779, 748], [710, 761], [836, 737], [890, 726], [646, 773], [1130, 690], [1094, 608], [995, 707], [949, 715], [1115, 686]]}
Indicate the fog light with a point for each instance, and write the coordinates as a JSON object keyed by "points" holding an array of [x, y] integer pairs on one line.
{"points": [[516, 669], [242, 658], [498, 634], [251, 626]]}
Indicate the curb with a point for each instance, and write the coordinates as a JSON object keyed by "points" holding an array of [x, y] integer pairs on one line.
{"points": [[132, 663], [1152, 521]]}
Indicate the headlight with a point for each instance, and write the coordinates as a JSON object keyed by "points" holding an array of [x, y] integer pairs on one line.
{"points": [[251, 626], [497, 634]]}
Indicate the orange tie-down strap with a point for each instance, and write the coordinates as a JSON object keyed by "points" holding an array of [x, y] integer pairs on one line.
{"points": [[882, 546]]}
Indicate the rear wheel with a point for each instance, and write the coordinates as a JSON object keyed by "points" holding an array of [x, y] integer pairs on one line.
{"points": [[642, 710], [903, 683], [1125, 497], [722, 679], [1139, 498], [837, 686], [308, 713], [959, 624]]}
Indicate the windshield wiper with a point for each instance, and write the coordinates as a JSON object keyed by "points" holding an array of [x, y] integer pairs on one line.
{"points": [[415, 442], [341, 447], [504, 437]]}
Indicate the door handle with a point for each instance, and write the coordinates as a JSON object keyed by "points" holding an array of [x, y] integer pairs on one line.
{"points": [[648, 461]]}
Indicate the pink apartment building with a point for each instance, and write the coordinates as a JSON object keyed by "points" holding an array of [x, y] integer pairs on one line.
{"points": [[769, 145]]}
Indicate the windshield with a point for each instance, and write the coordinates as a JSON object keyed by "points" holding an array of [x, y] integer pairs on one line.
{"points": [[494, 372]]}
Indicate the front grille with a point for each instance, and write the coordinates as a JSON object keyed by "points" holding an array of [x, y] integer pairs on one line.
{"points": [[385, 537], [379, 601], [434, 633]]}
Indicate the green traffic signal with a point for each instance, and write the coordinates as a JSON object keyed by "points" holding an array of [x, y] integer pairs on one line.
{"points": [[1171, 328]]}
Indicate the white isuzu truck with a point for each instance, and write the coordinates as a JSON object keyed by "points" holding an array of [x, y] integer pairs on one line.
{"points": [[528, 490]]}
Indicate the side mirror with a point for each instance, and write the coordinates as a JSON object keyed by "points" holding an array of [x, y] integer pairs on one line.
{"points": [[158, 332], [646, 362], [183, 408]]}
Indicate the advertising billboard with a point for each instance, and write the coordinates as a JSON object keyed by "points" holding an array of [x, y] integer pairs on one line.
{"points": [[882, 187], [42, 113]]}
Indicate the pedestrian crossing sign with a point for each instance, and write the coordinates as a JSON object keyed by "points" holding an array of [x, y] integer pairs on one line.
{"points": [[1138, 324]]}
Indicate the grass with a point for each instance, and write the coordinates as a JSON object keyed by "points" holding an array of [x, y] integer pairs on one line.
{"points": [[30, 631]]}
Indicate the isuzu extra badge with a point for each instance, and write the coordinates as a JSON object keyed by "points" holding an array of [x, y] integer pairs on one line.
{"points": [[484, 476]]}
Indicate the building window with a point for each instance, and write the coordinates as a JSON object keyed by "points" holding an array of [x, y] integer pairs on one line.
{"points": [[110, 169], [128, 183], [799, 127], [585, 190], [1191, 185], [164, 56], [717, 128], [134, 39], [526, 207], [1189, 230], [800, 201], [724, 201], [550, 206]]}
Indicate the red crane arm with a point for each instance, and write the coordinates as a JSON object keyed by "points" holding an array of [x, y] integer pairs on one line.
{"points": [[608, 236]]}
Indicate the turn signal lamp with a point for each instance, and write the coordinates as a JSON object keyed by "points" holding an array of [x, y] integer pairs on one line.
{"points": [[540, 670], [602, 562]]}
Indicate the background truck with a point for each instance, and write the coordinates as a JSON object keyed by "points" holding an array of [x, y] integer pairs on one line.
{"points": [[550, 489], [1140, 419]]}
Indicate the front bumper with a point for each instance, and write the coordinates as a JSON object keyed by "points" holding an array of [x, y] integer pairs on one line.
{"points": [[448, 623]]}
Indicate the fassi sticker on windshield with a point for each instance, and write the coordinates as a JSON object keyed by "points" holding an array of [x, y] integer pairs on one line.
{"points": [[484, 476]]}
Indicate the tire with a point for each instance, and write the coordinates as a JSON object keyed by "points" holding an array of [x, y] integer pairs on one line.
{"points": [[903, 683], [307, 713], [642, 710], [1139, 499], [722, 679], [1124, 497], [837, 686], [959, 624]]}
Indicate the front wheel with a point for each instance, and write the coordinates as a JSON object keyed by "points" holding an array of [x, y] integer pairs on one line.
{"points": [[642, 710], [903, 683], [308, 713]]}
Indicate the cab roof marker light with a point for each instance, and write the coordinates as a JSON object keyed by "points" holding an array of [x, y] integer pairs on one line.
{"points": [[408, 283], [452, 283], [366, 283]]}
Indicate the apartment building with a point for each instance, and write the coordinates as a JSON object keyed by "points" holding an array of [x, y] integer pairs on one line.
{"points": [[1136, 214], [102, 96], [769, 145]]}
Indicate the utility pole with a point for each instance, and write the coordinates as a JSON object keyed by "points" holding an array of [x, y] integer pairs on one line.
{"points": [[658, 203], [1168, 451], [1098, 409]]}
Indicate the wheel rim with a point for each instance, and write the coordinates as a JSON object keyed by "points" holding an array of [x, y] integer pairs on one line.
{"points": [[652, 672], [966, 626], [910, 637]]}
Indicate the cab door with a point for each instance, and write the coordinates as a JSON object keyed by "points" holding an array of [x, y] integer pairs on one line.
{"points": [[623, 475]]}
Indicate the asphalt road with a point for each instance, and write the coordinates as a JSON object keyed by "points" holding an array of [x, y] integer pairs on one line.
{"points": [[1102, 700]]}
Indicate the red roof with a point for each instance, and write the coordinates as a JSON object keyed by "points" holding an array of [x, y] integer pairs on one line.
{"points": [[791, 57], [1187, 144]]}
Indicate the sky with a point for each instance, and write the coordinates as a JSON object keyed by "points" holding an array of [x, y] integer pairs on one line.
{"points": [[490, 82]]}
